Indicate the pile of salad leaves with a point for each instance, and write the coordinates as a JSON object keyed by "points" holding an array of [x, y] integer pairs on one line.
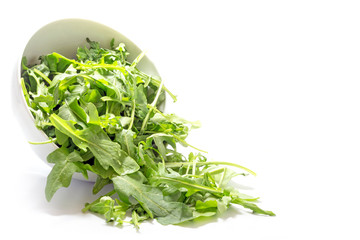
{"points": [[105, 116]]}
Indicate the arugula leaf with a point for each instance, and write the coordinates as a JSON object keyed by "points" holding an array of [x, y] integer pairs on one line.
{"points": [[191, 185], [107, 152], [152, 200], [107, 207], [93, 53], [252, 206], [126, 139], [100, 183], [161, 140], [61, 174]]}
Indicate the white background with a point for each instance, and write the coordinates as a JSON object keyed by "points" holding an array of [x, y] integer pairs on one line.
{"points": [[274, 83]]}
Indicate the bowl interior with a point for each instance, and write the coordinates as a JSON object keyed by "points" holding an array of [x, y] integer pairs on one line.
{"points": [[64, 37]]}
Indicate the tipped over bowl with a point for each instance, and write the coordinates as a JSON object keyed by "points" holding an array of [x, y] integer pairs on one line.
{"points": [[64, 37]]}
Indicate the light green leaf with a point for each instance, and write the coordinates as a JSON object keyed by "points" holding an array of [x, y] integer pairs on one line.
{"points": [[93, 114], [126, 139], [252, 207], [107, 207]]}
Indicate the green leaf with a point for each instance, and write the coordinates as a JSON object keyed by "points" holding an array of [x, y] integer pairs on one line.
{"points": [[63, 65], [60, 176], [222, 176], [126, 140], [78, 111], [111, 211], [93, 96], [58, 155], [93, 114], [93, 53], [206, 205], [74, 157], [152, 200], [182, 182], [161, 140], [99, 170], [67, 127], [107, 152], [252, 207], [51, 61], [223, 204], [141, 102], [99, 184], [60, 137]]}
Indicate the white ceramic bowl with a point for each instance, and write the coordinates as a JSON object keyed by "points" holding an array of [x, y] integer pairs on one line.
{"points": [[65, 36]]}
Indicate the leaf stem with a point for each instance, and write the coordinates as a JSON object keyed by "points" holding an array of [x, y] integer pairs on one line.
{"points": [[42, 75], [150, 110], [222, 177], [179, 164], [184, 142], [132, 115], [157, 83], [197, 186], [45, 142], [93, 66]]}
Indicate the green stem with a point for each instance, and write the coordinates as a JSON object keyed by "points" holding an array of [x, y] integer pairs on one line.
{"points": [[187, 144], [179, 164], [132, 115], [137, 59], [106, 66], [42, 75], [222, 177], [45, 142], [197, 186], [153, 104], [157, 151], [157, 83], [92, 66], [26, 94]]}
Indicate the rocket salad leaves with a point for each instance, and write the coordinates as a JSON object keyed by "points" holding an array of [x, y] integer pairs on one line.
{"points": [[106, 117]]}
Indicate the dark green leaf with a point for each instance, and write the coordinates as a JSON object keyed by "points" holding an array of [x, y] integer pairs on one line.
{"points": [[152, 200], [99, 184], [107, 152], [78, 111], [60, 176]]}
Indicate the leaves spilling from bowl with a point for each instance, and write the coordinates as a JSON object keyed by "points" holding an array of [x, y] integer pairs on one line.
{"points": [[106, 117]]}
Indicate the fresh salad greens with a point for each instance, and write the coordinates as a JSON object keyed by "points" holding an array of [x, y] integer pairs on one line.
{"points": [[105, 116]]}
